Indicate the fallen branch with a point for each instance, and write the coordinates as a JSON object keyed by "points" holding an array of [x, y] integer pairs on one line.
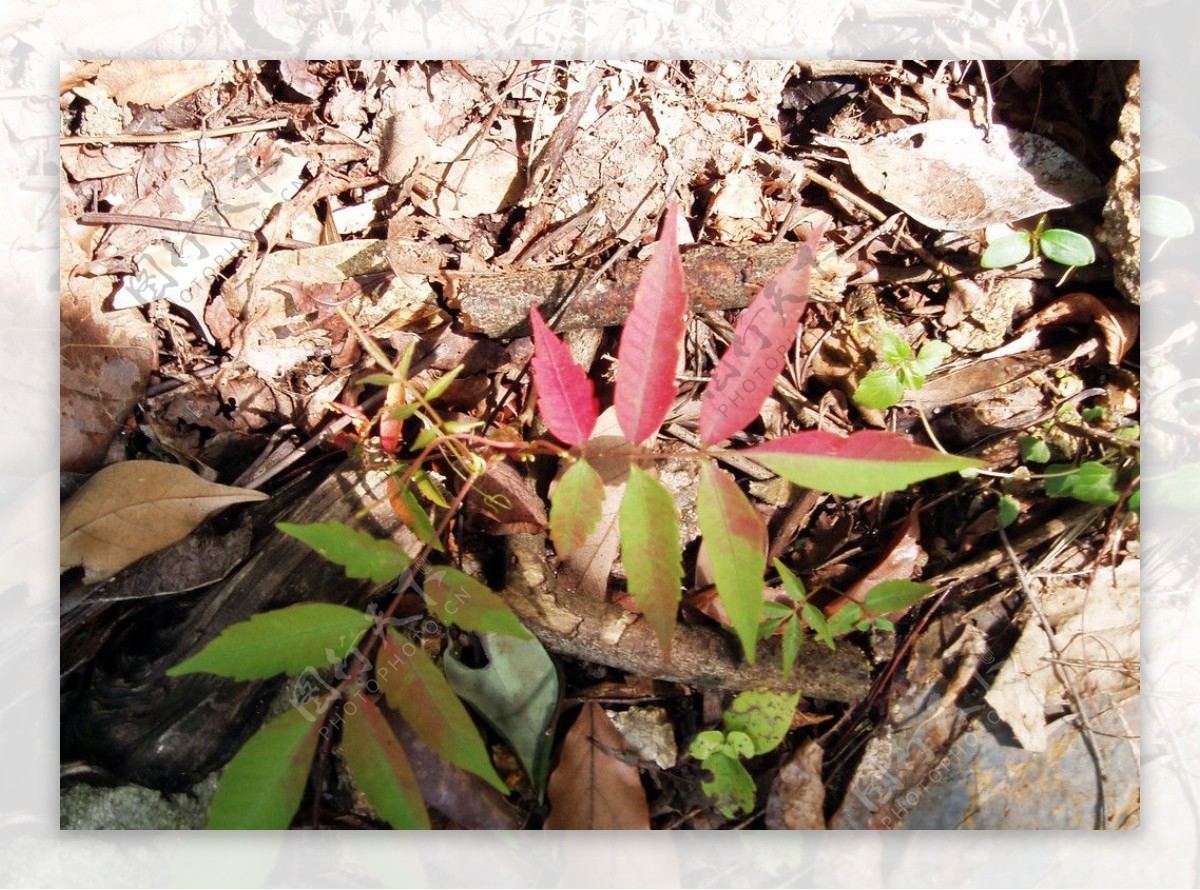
{"points": [[718, 278]]}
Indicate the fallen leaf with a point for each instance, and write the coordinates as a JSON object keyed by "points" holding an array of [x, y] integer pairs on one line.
{"points": [[516, 692], [592, 788], [159, 83], [1119, 328], [954, 176], [132, 509], [903, 560], [797, 798]]}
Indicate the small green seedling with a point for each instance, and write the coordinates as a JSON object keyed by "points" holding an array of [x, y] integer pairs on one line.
{"points": [[885, 387], [755, 723], [1063, 246]]}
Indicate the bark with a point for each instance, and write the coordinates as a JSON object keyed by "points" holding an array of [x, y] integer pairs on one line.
{"points": [[717, 278]]}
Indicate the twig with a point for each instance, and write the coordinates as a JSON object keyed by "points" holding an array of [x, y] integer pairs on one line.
{"points": [[179, 225], [177, 136], [1064, 676]]}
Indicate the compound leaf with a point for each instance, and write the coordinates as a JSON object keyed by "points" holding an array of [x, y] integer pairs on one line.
{"points": [[282, 641], [360, 554], [417, 690], [566, 397], [652, 339], [736, 539], [458, 599], [651, 553], [864, 464], [575, 507], [379, 766], [764, 334], [264, 782]]}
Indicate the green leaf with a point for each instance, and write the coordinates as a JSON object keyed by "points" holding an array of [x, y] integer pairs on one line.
{"points": [[426, 486], [736, 540], [792, 585], [1091, 482], [729, 787], [763, 715], [424, 438], [1135, 500], [930, 356], [793, 638], [816, 622], [1166, 217], [1033, 450], [283, 641], [893, 348], [458, 599], [418, 691], [1067, 248], [738, 744], [380, 380], [439, 386], [264, 782], [706, 744], [1006, 251], [866, 463], [419, 521], [845, 619], [517, 693], [575, 507], [649, 527], [362, 555], [879, 389], [406, 361], [895, 596], [379, 767], [1009, 509]]}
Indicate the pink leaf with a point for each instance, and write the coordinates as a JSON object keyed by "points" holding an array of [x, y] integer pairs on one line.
{"points": [[565, 394], [764, 334], [864, 464], [651, 342]]}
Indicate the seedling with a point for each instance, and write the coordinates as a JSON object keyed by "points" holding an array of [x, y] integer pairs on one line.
{"points": [[1063, 246], [755, 724], [904, 372]]}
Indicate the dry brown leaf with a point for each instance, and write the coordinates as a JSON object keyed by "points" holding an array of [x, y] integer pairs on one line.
{"points": [[592, 787], [797, 799], [129, 510], [158, 83], [952, 175], [903, 560], [1118, 328]]}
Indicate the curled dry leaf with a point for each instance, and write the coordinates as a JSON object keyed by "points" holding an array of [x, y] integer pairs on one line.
{"points": [[132, 509], [594, 787], [954, 176], [1119, 328]]}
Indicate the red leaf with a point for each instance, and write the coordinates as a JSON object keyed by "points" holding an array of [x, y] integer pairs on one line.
{"points": [[648, 353], [864, 464], [764, 334], [565, 394]]}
